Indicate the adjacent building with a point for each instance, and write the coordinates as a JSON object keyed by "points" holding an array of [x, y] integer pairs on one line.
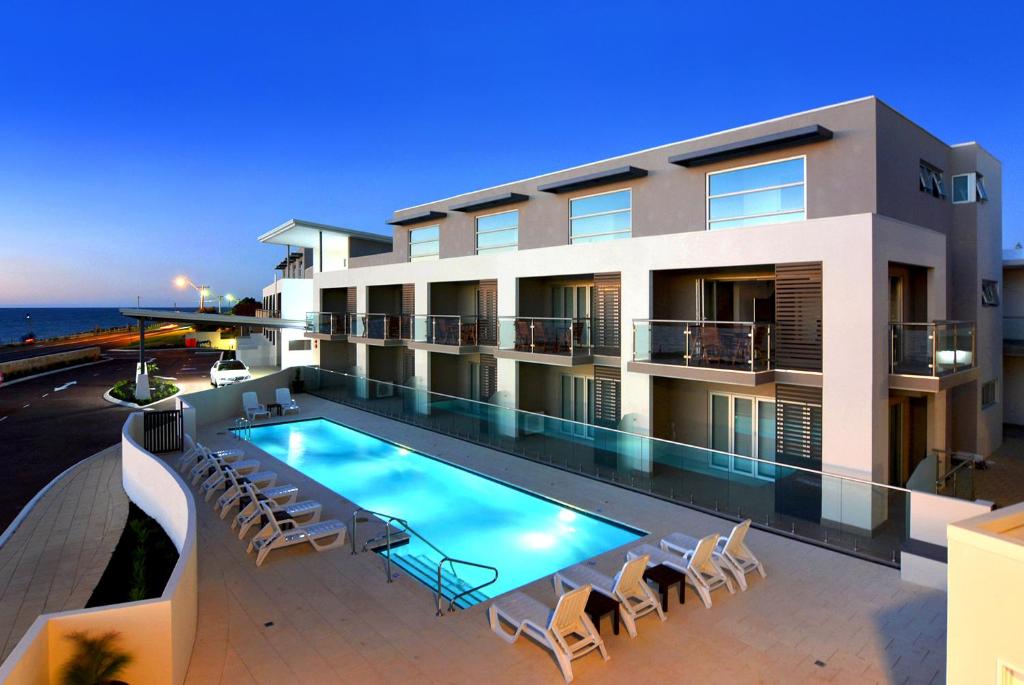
{"points": [[820, 289]]}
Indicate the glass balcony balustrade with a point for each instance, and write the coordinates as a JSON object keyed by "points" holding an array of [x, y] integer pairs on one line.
{"points": [[732, 345], [546, 335], [939, 348]]}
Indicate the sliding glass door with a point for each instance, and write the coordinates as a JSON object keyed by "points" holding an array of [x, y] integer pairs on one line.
{"points": [[742, 426], [578, 405]]}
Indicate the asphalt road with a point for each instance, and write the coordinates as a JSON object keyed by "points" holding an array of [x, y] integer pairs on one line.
{"points": [[50, 423], [105, 341]]}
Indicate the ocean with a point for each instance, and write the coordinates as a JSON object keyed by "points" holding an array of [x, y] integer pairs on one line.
{"points": [[52, 322]]}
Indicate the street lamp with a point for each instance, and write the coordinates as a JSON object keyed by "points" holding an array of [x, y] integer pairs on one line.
{"points": [[229, 297], [203, 290]]}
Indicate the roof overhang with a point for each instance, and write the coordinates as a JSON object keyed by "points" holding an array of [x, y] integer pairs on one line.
{"points": [[418, 218], [752, 146], [206, 319], [490, 202], [298, 233], [622, 173]]}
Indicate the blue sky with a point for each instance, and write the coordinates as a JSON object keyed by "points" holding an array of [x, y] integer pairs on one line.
{"points": [[142, 140]]}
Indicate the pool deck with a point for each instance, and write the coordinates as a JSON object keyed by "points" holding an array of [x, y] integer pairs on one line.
{"points": [[305, 617]]}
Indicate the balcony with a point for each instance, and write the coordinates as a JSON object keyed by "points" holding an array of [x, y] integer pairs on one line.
{"points": [[448, 333], [929, 357], [327, 325], [737, 352], [555, 340], [380, 329]]}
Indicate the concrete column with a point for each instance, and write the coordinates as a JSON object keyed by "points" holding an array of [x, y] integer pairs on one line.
{"points": [[855, 379], [507, 395], [636, 387], [422, 362], [362, 350]]}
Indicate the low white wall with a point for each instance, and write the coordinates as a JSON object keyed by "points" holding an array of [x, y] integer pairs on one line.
{"points": [[218, 404], [931, 514], [159, 633]]}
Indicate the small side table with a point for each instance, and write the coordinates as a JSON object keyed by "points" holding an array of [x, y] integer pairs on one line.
{"points": [[665, 577], [598, 605], [274, 408]]}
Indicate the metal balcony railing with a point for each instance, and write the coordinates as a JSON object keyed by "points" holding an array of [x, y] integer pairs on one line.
{"points": [[381, 326], [447, 329], [327, 323], [931, 349], [268, 314], [545, 335], [732, 345]]}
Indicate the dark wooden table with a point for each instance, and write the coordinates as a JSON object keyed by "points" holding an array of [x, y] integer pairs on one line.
{"points": [[274, 407], [665, 577], [598, 605]]}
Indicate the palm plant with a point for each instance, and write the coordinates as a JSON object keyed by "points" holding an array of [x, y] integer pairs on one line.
{"points": [[96, 661]]}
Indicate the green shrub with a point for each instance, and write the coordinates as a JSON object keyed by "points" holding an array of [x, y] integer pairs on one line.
{"points": [[158, 390]]}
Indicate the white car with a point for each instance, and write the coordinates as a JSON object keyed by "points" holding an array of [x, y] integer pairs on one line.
{"points": [[228, 371]]}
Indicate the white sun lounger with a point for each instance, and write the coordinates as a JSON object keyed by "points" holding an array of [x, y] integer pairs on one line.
{"points": [[688, 566], [709, 564], [733, 553], [219, 481], [236, 496], [212, 461], [277, 534], [195, 453], [567, 631], [307, 511], [284, 397], [628, 588], [215, 469], [252, 407]]}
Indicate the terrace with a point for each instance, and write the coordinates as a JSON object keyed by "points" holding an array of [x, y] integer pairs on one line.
{"points": [[334, 617]]}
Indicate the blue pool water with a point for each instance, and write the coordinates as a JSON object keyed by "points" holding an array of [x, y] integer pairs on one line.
{"points": [[465, 515]]}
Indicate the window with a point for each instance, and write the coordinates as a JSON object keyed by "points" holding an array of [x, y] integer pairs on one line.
{"points": [[298, 345], [988, 394], [989, 293], [607, 216], [497, 232], [930, 180], [969, 188], [769, 193], [424, 243]]}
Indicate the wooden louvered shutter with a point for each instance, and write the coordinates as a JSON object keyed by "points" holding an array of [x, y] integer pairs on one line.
{"points": [[408, 299], [797, 424], [797, 329], [607, 313], [487, 310], [350, 300], [607, 396], [488, 376]]}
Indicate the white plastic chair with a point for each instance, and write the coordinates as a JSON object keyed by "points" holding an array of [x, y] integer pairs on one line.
{"points": [[284, 398], [628, 588], [252, 407]]}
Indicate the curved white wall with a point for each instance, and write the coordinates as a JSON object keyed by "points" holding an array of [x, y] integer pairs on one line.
{"points": [[159, 633]]}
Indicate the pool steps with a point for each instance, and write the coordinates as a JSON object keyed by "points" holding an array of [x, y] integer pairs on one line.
{"points": [[424, 569]]}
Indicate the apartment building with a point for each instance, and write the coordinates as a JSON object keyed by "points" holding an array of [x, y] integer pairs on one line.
{"points": [[819, 289], [309, 248]]}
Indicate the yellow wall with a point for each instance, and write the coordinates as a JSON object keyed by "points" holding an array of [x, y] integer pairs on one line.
{"points": [[986, 603]]}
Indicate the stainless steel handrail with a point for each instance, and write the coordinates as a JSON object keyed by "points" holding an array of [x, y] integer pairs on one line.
{"points": [[456, 598], [967, 464], [388, 520]]}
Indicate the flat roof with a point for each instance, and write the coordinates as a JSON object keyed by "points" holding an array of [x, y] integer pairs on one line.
{"points": [[301, 233], [210, 319]]}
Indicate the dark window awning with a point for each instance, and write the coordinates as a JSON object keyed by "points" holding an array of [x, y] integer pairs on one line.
{"points": [[282, 265], [751, 146], [601, 178], [490, 202], [418, 218]]}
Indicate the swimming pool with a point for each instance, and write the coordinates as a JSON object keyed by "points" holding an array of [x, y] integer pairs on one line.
{"points": [[465, 515]]}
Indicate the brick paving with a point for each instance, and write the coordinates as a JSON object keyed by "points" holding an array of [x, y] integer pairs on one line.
{"points": [[57, 555]]}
